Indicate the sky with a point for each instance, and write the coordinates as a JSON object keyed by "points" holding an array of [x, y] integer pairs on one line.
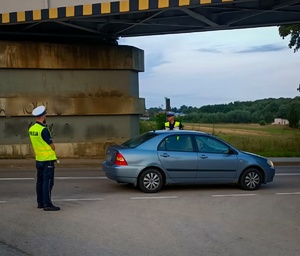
{"points": [[218, 67]]}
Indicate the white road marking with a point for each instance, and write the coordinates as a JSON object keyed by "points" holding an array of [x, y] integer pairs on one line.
{"points": [[157, 197], [58, 178], [291, 193], [12, 179], [81, 178], [153, 197], [234, 195], [105, 178], [287, 174], [77, 199]]}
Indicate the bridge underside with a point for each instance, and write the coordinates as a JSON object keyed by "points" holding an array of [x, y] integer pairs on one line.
{"points": [[106, 22]]}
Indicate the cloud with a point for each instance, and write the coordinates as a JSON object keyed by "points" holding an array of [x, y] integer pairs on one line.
{"points": [[209, 50], [217, 67], [263, 48]]}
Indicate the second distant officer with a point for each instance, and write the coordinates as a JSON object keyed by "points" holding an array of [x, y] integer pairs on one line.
{"points": [[171, 123]]}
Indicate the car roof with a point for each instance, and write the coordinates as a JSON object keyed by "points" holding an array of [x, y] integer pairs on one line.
{"points": [[179, 131]]}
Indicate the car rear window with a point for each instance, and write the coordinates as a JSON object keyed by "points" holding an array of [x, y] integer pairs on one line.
{"points": [[136, 141]]}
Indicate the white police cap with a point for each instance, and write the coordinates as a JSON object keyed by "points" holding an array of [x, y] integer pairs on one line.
{"points": [[39, 111], [170, 113]]}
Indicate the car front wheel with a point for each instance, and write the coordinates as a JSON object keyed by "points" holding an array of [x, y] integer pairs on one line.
{"points": [[251, 179], [151, 181]]}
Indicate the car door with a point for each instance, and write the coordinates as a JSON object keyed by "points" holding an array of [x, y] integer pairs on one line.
{"points": [[179, 159], [217, 162]]}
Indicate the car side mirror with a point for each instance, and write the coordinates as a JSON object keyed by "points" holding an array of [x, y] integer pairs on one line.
{"points": [[231, 151]]}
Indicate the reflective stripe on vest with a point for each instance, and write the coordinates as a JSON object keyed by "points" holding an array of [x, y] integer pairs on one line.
{"points": [[176, 125], [43, 152]]}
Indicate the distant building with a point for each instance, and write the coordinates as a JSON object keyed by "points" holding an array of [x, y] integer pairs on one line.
{"points": [[179, 114], [281, 121], [145, 116]]}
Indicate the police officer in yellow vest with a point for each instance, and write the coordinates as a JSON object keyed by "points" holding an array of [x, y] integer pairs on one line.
{"points": [[171, 124], [45, 157]]}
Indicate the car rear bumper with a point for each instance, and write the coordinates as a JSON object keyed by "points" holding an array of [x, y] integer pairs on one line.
{"points": [[122, 174]]}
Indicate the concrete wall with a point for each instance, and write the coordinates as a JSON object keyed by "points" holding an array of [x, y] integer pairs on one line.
{"points": [[27, 5], [91, 94], [74, 137]]}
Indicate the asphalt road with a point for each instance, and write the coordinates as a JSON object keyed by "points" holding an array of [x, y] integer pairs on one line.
{"points": [[101, 217]]}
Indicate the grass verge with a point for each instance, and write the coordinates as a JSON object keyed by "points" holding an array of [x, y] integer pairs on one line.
{"points": [[266, 140]]}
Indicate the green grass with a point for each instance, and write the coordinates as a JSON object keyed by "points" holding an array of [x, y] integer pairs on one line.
{"points": [[272, 146], [266, 140]]}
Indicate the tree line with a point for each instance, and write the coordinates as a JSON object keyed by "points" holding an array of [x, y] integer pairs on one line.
{"points": [[262, 111]]}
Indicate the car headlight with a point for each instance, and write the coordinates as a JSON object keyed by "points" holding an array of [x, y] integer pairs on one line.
{"points": [[270, 163]]}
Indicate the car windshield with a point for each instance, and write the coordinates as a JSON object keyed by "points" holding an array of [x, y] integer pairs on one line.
{"points": [[136, 141]]}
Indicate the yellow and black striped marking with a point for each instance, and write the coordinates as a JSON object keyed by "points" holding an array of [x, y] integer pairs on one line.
{"points": [[99, 9]]}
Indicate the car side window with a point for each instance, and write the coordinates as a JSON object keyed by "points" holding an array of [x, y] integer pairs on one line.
{"points": [[207, 144], [177, 143]]}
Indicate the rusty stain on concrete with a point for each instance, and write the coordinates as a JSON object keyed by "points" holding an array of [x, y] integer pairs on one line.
{"points": [[70, 56], [16, 128], [95, 131], [23, 106]]}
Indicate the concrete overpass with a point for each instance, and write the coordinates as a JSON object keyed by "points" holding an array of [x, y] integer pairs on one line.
{"points": [[67, 58]]}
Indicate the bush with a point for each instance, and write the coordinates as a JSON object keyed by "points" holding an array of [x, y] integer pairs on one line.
{"points": [[146, 126], [262, 122], [160, 120]]}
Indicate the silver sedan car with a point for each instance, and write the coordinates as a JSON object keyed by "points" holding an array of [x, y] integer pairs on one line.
{"points": [[157, 158]]}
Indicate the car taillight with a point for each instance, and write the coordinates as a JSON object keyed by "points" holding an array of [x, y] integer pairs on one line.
{"points": [[120, 160]]}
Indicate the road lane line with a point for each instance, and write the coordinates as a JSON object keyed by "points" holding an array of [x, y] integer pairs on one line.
{"points": [[291, 193], [81, 178], [2, 202], [105, 178], [77, 199], [12, 179], [287, 174], [58, 178], [153, 197], [234, 195]]}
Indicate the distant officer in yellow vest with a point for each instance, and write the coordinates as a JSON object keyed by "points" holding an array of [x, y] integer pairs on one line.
{"points": [[45, 157], [171, 123]]}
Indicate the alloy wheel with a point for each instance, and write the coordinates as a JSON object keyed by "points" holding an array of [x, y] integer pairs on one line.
{"points": [[151, 181], [252, 180]]}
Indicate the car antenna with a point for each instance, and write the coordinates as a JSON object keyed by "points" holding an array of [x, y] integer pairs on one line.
{"points": [[152, 128]]}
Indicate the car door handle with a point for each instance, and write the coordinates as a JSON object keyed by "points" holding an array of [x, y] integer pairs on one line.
{"points": [[203, 157], [165, 155]]}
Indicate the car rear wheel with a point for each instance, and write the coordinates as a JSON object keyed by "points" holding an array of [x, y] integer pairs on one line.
{"points": [[251, 179], [151, 181]]}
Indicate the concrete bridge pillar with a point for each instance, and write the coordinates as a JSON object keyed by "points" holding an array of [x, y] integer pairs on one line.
{"points": [[91, 93]]}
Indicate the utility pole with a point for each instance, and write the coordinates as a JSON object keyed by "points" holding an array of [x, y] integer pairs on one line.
{"points": [[168, 105], [298, 89]]}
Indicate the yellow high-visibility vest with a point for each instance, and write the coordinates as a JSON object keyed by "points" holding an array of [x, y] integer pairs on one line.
{"points": [[43, 152], [176, 125]]}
